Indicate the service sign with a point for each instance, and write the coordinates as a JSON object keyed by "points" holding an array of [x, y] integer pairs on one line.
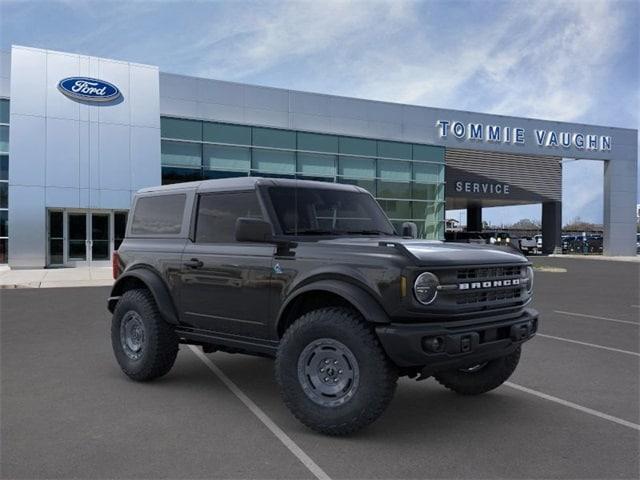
{"points": [[88, 89]]}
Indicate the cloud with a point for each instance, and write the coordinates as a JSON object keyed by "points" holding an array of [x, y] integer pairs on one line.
{"points": [[570, 60]]}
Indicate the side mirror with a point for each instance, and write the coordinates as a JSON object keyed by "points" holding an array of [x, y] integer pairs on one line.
{"points": [[253, 230], [409, 229]]}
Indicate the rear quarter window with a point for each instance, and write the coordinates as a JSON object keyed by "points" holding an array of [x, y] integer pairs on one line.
{"points": [[158, 215]]}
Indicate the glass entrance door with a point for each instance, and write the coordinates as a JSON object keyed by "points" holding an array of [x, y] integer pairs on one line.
{"points": [[99, 240], [83, 238], [77, 236]]}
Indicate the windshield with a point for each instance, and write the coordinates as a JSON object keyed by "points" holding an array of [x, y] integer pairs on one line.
{"points": [[320, 211]]}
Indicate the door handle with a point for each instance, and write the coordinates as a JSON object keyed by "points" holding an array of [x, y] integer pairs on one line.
{"points": [[194, 263]]}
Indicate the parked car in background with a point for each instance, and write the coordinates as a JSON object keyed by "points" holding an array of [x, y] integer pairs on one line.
{"points": [[528, 245], [485, 237], [582, 244]]}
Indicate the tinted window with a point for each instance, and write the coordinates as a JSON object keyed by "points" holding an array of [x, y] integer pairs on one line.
{"points": [[158, 215], [179, 175], [218, 212], [4, 167], [4, 111], [317, 211]]}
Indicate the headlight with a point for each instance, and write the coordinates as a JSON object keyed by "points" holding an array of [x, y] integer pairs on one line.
{"points": [[529, 279], [425, 288], [492, 240]]}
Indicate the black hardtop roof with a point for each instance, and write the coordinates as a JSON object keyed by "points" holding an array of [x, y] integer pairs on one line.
{"points": [[247, 183]]}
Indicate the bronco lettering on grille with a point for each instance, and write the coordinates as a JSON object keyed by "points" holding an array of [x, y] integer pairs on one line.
{"points": [[489, 284]]}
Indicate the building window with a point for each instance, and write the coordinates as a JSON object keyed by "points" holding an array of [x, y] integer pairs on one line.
{"points": [[407, 179], [4, 139], [394, 179], [274, 138], [220, 157], [4, 111], [273, 162], [314, 142], [181, 129], [4, 181], [181, 154], [4, 167], [316, 165], [4, 194], [358, 146], [4, 234], [224, 133], [179, 175], [394, 150]]}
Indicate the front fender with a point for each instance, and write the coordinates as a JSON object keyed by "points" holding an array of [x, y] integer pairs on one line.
{"points": [[154, 283], [362, 301]]}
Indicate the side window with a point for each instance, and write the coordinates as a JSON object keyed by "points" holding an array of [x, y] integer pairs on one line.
{"points": [[218, 212], [158, 215]]}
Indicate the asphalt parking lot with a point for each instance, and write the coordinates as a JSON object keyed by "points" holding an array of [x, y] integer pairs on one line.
{"points": [[571, 409]]}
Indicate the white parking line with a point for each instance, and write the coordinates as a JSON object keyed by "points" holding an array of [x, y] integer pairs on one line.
{"points": [[263, 417], [575, 406], [588, 344], [596, 317]]}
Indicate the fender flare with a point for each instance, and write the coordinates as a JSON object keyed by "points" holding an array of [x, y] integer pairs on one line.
{"points": [[357, 296], [156, 285]]}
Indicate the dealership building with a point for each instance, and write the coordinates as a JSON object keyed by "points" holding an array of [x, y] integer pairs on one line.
{"points": [[79, 135]]}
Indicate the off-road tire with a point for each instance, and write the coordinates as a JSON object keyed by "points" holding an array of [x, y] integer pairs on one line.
{"points": [[490, 376], [160, 348], [377, 375]]}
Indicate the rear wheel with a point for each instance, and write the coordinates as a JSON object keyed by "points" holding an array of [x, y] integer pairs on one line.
{"points": [[144, 345], [332, 372], [480, 378]]}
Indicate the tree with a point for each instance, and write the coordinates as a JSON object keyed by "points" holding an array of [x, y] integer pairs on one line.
{"points": [[579, 225], [526, 224]]}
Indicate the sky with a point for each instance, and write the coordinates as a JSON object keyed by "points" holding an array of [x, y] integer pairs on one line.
{"points": [[558, 60]]}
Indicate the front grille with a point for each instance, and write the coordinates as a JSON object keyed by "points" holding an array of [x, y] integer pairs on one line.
{"points": [[481, 289], [489, 272], [489, 297]]}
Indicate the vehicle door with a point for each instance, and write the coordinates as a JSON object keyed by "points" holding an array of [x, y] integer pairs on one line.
{"points": [[224, 283]]}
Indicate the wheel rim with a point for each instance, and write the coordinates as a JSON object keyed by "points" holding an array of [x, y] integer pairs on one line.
{"points": [[474, 368], [132, 335], [328, 372]]}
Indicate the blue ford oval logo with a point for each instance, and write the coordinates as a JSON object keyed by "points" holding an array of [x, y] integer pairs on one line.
{"points": [[89, 89]]}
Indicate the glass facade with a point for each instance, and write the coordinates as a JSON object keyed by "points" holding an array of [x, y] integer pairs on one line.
{"points": [[4, 181], [407, 179]]}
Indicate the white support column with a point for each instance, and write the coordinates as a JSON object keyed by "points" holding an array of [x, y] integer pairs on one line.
{"points": [[620, 199]]}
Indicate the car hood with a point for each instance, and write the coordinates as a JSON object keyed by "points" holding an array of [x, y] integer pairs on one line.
{"points": [[437, 253]]}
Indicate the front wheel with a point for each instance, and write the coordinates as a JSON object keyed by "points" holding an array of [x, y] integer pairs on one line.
{"points": [[332, 372], [480, 378]]}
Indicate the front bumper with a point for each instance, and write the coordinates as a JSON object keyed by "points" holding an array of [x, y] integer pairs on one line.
{"points": [[444, 346]]}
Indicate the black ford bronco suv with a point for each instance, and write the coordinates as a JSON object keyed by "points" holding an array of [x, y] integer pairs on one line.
{"points": [[315, 275]]}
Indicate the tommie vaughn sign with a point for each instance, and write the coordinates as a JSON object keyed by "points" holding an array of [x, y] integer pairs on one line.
{"points": [[478, 132], [88, 89]]}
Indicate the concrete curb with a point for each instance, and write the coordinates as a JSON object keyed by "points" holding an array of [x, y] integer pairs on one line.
{"points": [[60, 284], [635, 259]]}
